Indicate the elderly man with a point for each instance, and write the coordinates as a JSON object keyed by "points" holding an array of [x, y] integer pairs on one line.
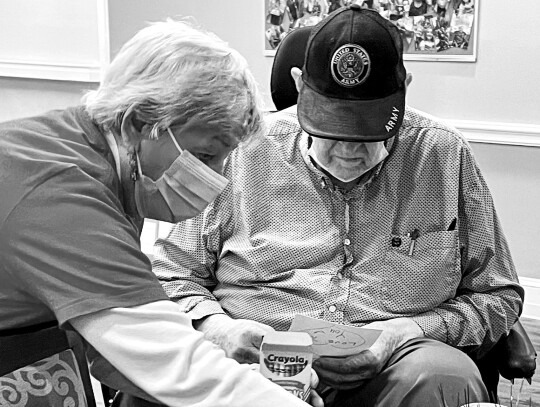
{"points": [[358, 210]]}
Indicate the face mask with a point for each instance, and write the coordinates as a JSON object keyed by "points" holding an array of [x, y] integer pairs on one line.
{"points": [[182, 192], [375, 153]]}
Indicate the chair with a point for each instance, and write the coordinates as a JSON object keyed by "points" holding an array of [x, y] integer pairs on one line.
{"points": [[290, 53], [44, 366], [513, 356]]}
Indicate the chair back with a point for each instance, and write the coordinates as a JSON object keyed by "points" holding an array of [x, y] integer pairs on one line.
{"points": [[44, 367], [290, 53]]}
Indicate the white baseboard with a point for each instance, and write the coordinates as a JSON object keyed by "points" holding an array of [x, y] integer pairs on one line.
{"points": [[531, 308]]}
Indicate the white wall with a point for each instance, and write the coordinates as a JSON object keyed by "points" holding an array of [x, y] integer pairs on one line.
{"points": [[502, 87], [21, 97], [49, 39], [53, 39], [513, 175]]}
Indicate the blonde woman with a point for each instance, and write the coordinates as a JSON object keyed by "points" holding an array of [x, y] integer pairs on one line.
{"points": [[76, 186]]}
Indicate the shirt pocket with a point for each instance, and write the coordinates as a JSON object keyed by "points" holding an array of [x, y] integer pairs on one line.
{"points": [[424, 279]]}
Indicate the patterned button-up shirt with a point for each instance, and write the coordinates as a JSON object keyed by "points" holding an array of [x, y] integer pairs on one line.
{"points": [[417, 237]]}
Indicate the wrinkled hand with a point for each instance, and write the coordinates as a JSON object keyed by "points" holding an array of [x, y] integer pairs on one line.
{"points": [[239, 338], [350, 372]]}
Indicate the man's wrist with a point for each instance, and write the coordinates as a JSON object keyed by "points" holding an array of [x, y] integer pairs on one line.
{"points": [[412, 330]]}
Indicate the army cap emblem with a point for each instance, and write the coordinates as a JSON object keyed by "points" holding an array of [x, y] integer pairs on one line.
{"points": [[350, 65]]}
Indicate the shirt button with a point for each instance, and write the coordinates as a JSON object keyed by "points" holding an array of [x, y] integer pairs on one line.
{"points": [[396, 242], [340, 275], [347, 242], [332, 308]]}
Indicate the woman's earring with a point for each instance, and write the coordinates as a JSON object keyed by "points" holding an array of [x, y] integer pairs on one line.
{"points": [[134, 173]]}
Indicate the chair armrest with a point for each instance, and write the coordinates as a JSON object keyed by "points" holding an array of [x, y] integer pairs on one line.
{"points": [[516, 355]]}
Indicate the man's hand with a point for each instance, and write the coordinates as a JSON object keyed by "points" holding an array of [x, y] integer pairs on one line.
{"points": [[239, 338], [350, 372]]}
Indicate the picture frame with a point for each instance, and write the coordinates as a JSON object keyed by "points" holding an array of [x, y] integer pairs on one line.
{"points": [[432, 30]]}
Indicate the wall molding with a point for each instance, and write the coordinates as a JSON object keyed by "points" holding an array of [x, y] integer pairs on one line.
{"points": [[499, 133], [531, 308], [51, 70]]}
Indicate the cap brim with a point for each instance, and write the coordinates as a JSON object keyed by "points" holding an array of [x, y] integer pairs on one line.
{"points": [[350, 120]]}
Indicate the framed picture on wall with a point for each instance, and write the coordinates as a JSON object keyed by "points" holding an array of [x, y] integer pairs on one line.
{"points": [[432, 30]]}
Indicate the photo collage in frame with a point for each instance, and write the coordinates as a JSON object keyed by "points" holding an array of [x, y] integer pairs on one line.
{"points": [[430, 29]]}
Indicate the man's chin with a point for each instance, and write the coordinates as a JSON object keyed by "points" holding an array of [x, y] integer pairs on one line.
{"points": [[348, 174], [350, 166]]}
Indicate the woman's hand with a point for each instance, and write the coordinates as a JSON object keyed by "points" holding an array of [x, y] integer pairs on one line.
{"points": [[314, 399]]}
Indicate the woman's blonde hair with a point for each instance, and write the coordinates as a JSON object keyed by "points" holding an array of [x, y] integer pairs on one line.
{"points": [[171, 72]]}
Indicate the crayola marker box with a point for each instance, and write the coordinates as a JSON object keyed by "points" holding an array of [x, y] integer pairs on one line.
{"points": [[286, 360]]}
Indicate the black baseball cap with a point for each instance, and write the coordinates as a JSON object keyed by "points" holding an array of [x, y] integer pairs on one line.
{"points": [[354, 78]]}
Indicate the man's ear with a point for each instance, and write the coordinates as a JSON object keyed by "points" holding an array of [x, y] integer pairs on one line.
{"points": [[408, 80], [132, 129], [296, 74]]}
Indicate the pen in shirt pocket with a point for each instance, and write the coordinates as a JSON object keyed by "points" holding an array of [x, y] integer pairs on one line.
{"points": [[415, 234], [452, 225]]}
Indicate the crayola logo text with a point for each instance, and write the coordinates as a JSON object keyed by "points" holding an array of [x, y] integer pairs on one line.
{"points": [[285, 359]]}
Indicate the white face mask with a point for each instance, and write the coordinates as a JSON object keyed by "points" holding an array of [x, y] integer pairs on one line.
{"points": [[346, 160], [182, 192]]}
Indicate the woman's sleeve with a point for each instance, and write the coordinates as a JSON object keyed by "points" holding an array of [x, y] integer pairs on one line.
{"points": [[155, 347]]}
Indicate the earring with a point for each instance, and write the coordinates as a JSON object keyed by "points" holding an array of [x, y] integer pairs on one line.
{"points": [[134, 174]]}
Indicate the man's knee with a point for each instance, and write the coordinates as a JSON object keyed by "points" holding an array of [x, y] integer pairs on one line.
{"points": [[432, 372], [421, 373], [427, 360]]}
